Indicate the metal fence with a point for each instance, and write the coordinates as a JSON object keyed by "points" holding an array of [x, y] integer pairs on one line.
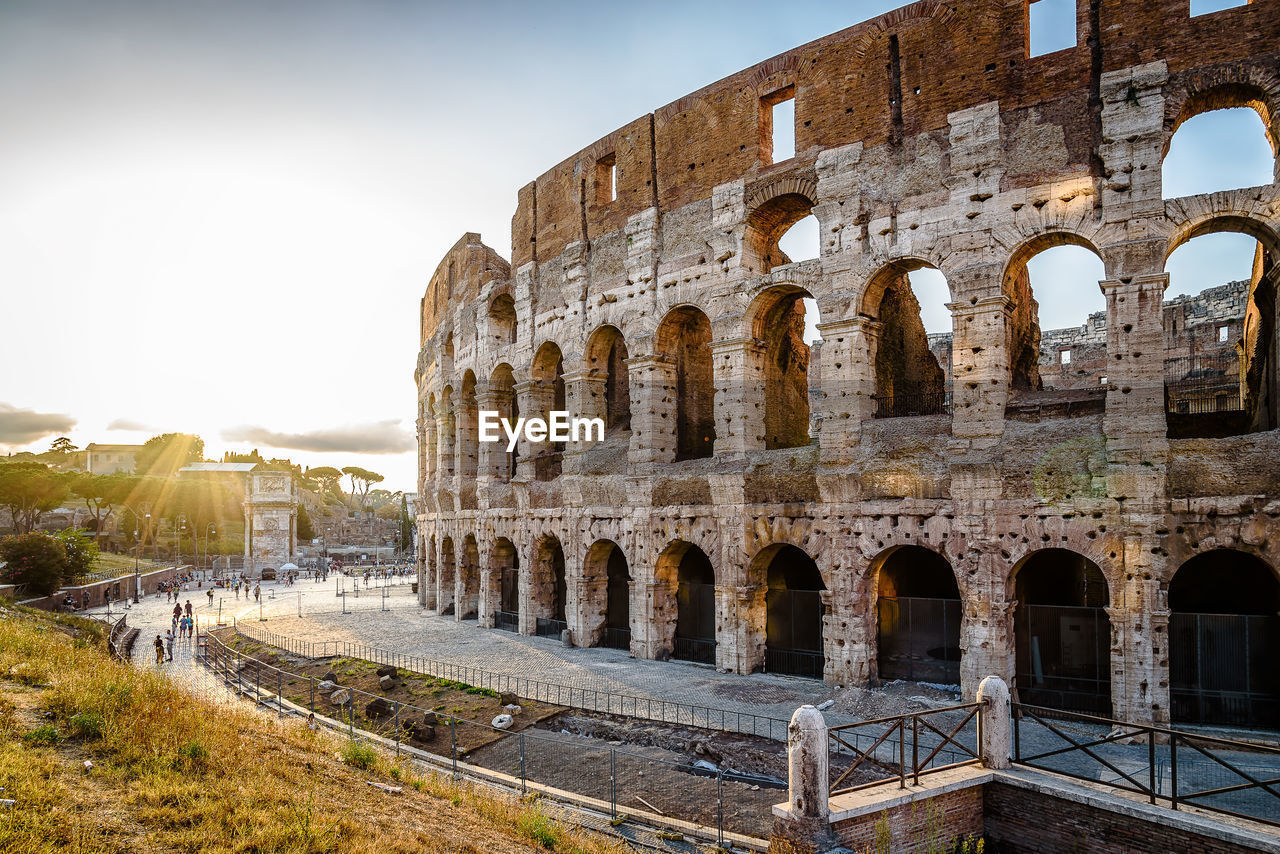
{"points": [[696, 797], [545, 628], [587, 699], [1203, 383], [1166, 766], [907, 405], [904, 747], [1219, 672], [508, 621]]}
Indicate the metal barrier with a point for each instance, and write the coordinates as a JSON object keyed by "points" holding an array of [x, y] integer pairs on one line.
{"points": [[908, 405], [1141, 757], [616, 639], [794, 662], [695, 649], [587, 699], [888, 750], [712, 802], [507, 621], [545, 628]]}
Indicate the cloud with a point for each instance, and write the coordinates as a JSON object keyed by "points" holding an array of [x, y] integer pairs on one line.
{"points": [[24, 426], [380, 437], [128, 424]]}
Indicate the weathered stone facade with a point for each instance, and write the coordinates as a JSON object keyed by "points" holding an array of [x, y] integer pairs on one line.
{"points": [[647, 287], [270, 521]]}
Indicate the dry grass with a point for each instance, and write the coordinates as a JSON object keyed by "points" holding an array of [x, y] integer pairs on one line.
{"points": [[173, 773]]}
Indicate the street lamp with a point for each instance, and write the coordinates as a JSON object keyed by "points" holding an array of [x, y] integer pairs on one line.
{"points": [[207, 528], [137, 573], [178, 526]]}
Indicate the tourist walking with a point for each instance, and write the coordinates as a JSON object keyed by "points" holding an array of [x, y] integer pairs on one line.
{"points": [[188, 608], [159, 650], [210, 597], [168, 644], [257, 592]]}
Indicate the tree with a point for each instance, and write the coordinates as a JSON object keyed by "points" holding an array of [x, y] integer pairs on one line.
{"points": [[405, 533], [101, 494], [306, 530], [35, 562], [29, 490], [361, 480], [329, 478], [81, 551], [163, 455], [62, 445]]}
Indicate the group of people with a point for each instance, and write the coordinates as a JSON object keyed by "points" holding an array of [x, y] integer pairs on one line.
{"points": [[184, 627]]}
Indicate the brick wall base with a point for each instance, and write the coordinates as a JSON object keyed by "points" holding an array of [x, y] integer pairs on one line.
{"points": [[935, 824]]}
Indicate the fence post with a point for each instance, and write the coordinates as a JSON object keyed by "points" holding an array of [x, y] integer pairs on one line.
{"points": [[453, 744], [397, 726], [312, 681], [720, 807], [613, 783], [902, 751], [1151, 762], [1173, 770], [522, 769], [808, 766], [995, 729]]}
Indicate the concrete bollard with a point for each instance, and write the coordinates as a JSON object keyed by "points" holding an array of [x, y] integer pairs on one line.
{"points": [[807, 775], [997, 725]]}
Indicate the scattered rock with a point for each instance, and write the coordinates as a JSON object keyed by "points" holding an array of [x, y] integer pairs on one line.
{"points": [[379, 707], [430, 718], [826, 704], [506, 698], [326, 686], [331, 677], [513, 709], [388, 670], [419, 732], [386, 683], [502, 722], [340, 698]]}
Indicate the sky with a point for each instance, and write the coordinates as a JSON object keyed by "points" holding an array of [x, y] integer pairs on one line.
{"points": [[218, 217]]}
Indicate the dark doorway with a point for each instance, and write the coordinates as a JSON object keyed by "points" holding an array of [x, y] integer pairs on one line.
{"points": [[617, 629], [793, 615], [1062, 633], [507, 563], [696, 608], [550, 590], [1224, 637], [918, 611]]}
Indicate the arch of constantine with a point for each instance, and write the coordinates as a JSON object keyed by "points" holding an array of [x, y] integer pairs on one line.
{"points": [[877, 505]]}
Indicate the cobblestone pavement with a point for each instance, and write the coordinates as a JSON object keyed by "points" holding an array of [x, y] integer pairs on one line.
{"points": [[407, 628]]}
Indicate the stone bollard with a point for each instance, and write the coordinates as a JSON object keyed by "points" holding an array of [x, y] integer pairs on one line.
{"points": [[997, 725], [808, 784]]}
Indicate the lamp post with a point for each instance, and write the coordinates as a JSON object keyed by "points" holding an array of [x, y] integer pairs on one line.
{"points": [[137, 573], [179, 525], [207, 528]]}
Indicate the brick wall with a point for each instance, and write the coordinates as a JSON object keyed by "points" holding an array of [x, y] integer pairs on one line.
{"points": [[921, 826]]}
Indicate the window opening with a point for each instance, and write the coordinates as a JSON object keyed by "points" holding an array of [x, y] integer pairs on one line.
{"points": [[1052, 26], [1205, 7]]}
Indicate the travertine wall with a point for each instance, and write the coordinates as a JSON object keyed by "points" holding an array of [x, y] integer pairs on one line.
{"points": [[927, 136]]}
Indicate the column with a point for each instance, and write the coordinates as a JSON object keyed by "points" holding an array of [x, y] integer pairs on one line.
{"points": [[652, 380], [584, 393], [492, 462], [535, 400], [848, 371], [740, 395], [980, 368]]}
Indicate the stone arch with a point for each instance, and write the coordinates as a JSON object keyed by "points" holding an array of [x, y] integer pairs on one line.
{"points": [[793, 610], [683, 339], [503, 587], [1224, 639], [467, 426], [776, 320], [447, 432], [1223, 88], [1234, 390], [446, 580], [502, 396], [467, 596], [607, 579], [547, 374], [547, 588], [684, 603], [606, 356], [918, 615], [1062, 632], [773, 210], [911, 379], [1024, 336], [433, 437], [503, 325]]}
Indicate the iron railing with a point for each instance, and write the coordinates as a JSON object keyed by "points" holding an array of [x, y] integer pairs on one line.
{"points": [[616, 638], [588, 699], [545, 628], [524, 760], [699, 650], [948, 743], [508, 621], [1203, 383], [794, 662], [1145, 760], [907, 405]]}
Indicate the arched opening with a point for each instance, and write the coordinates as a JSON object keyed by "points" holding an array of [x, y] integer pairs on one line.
{"points": [[765, 227], [1220, 356], [504, 574], [468, 596], [502, 390], [1062, 633], [433, 437], [1223, 141], [918, 617], [446, 579], [468, 430], [912, 368], [447, 429], [685, 604], [780, 320], [1058, 324], [1224, 640], [502, 320], [547, 588], [432, 575], [793, 612], [684, 339], [606, 561], [800, 242], [607, 357], [548, 373]]}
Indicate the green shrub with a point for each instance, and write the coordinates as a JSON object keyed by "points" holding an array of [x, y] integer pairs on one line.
{"points": [[359, 755], [536, 827], [45, 735], [87, 725]]}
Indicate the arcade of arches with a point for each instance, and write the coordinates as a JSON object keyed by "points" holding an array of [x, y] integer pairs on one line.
{"points": [[802, 475]]}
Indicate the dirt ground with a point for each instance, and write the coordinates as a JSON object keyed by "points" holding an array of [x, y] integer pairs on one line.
{"points": [[891, 698]]}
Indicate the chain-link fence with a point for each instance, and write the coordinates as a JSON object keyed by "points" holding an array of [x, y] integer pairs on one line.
{"points": [[626, 782]]}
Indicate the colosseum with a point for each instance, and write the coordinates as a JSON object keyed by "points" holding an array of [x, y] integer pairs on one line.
{"points": [[1092, 514]]}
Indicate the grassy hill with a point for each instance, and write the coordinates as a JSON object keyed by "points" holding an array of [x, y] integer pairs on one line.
{"points": [[171, 772]]}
